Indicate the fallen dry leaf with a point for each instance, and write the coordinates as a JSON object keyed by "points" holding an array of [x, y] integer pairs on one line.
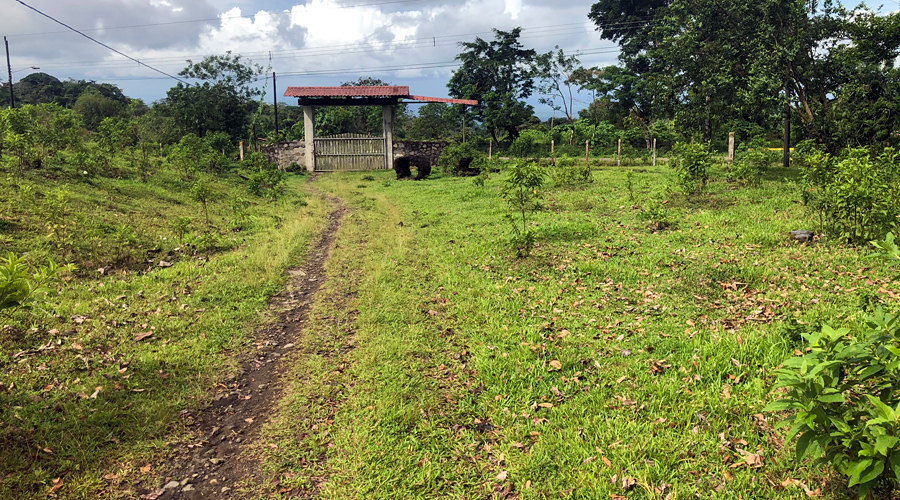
{"points": [[141, 336], [546, 405], [556, 364], [606, 462], [145, 469], [502, 476], [57, 484]]}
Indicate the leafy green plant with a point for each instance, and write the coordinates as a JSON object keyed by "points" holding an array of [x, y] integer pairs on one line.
{"points": [[202, 193], [844, 397], [569, 171], [263, 179], [460, 159], [887, 248], [530, 143], [855, 195], [656, 213], [181, 226], [691, 162], [241, 219], [629, 184], [751, 161], [24, 286], [524, 179]]}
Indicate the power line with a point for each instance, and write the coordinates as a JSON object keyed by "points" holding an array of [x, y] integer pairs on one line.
{"points": [[101, 43], [328, 50], [206, 20]]}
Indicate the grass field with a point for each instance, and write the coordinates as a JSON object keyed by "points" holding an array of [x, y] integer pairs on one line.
{"points": [[94, 396], [619, 360], [629, 356]]}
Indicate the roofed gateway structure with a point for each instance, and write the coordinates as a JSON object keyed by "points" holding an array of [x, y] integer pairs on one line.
{"points": [[351, 151]]}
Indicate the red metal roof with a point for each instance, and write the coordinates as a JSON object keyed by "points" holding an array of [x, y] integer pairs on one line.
{"points": [[421, 98], [367, 91]]}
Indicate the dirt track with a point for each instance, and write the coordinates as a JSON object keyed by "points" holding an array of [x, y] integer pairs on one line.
{"points": [[214, 462]]}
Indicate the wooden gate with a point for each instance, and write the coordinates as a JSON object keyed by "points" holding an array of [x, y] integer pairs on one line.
{"points": [[349, 152]]}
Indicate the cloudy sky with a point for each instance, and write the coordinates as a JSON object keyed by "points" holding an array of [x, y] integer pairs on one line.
{"points": [[319, 42]]}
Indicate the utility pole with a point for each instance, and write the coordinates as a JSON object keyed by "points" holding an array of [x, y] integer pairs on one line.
{"points": [[786, 159], [275, 99], [12, 97]]}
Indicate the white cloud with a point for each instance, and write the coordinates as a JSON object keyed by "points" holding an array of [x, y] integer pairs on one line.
{"points": [[315, 36]]}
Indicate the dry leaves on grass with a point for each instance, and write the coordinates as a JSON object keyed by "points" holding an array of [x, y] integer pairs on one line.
{"points": [[658, 366], [794, 483]]}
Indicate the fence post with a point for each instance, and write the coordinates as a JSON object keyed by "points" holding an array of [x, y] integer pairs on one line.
{"points": [[552, 147], [619, 155], [587, 150], [731, 146], [654, 151], [490, 148], [242, 150]]}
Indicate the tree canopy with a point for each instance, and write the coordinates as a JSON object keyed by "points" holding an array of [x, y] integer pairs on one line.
{"points": [[499, 74]]}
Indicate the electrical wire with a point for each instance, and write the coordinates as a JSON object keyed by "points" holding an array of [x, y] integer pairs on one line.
{"points": [[190, 21], [427, 42], [101, 43]]}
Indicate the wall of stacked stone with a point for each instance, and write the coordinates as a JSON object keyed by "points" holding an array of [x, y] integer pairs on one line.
{"points": [[285, 153], [432, 150]]}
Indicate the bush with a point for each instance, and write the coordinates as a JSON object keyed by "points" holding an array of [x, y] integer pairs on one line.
{"points": [[691, 162], [462, 159], [855, 195], [752, 160], [530, 143], [263, 178], [25, 287], [844, 397], [524, 179], [568, 171]]}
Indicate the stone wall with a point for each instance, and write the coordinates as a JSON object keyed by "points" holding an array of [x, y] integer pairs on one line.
{"points": [[431, 150], [285, 153]]}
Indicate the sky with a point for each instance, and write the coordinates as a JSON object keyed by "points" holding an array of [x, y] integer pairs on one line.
{"points": [[312, 43]]}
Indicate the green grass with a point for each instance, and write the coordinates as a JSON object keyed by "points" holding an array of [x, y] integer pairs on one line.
{"points": [[436, 364], [82, 402], [614, 352]]}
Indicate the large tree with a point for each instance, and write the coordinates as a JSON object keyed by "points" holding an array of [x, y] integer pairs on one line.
{"points": [[500, 75], [736, 65], [220, 103]]}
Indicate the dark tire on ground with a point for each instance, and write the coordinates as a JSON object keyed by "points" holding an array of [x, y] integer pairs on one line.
{"points": [[464, 168], [403, 167]]}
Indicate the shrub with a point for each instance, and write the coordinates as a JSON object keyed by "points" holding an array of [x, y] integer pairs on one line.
{"points": [[25, 287], [202, 193], [843, 395], [263, 178], [462, 159], [750, 162], [181, 226], [530, 143], [524, 178], [568, 171], [855, 195], [691, 162], [656, 213]]}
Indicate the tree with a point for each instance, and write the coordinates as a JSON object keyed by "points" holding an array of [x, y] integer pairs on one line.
{"points": [[220, 103], [556, 73], [433, 121], [94, 108], [499, 74], [737, 65]]}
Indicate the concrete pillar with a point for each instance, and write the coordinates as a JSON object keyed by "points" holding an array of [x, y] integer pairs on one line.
{"points": [[388, 122], [309, 129]]}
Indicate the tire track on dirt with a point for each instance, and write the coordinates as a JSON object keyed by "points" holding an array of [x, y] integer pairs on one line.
{"points": [[217, 457]]}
